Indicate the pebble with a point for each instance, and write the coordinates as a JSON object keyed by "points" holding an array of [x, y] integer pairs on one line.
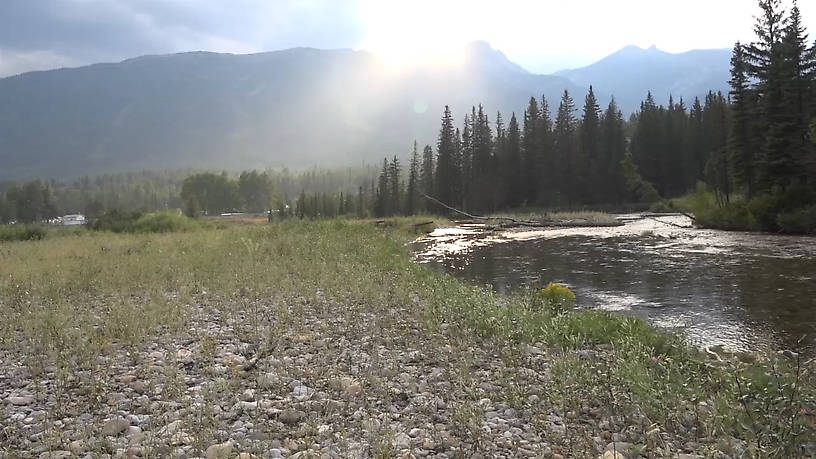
{"points": [[114, 427]]}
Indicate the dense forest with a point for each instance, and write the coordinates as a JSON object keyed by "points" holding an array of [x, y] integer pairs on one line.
{"points": [[206, 193], [753, 149]]}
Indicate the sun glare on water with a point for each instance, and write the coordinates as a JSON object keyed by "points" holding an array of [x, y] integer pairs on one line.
{"points": [[405, 35]]}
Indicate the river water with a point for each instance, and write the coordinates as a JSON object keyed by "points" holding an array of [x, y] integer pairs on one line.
{"points": [[744, 291]]}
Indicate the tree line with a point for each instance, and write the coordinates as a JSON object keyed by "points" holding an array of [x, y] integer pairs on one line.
{"points": [[757, 141]]}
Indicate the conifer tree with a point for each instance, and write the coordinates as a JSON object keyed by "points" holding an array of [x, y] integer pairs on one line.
{"points": [[412, 192], [446, 186], [565, 148], [742, 142], [589, 163]]}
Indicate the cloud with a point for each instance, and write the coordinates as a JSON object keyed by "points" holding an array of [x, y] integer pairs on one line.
{"points": [[71, 32], [541, 35]]}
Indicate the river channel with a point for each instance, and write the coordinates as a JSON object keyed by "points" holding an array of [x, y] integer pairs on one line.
{"points": [[743, 291]]}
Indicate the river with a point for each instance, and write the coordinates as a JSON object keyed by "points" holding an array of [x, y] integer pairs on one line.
{"points": [[743, 291]]}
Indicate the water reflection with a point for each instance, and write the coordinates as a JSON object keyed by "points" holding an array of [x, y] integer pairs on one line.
{"points": [[745, 291]]}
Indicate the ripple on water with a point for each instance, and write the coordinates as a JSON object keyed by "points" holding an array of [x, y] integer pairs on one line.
{"points": [[745, 291]]}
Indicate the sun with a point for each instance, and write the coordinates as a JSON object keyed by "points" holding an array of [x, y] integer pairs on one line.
{"points": [[405, 35]]}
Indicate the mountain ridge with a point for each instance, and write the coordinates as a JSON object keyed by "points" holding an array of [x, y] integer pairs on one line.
{"points": [[286, 108]]}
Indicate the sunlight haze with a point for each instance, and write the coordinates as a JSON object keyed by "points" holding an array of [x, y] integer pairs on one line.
{"points": [[541, 36]]}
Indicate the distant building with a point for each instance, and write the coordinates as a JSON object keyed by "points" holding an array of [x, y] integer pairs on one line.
{"points": [[72, 220]]}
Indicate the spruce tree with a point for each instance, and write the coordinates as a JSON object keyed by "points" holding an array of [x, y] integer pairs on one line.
{"points": [[445, 184], [589, 163], [742, 144], [412, 193], [565, 148], [613, 150], [513, 166]]}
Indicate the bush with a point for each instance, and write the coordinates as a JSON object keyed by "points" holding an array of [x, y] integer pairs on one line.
{"points": [[802, 221], [22, 233], [163, 222], [556, 298], [119, 221], [116, 220]]}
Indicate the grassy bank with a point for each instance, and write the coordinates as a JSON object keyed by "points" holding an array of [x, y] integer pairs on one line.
{"points": [[324, 337], [791, 211]]}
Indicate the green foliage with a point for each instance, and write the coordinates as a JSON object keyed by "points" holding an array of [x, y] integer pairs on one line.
{"points": [[118, 221], [22, 233], [802, 221], [787, 211], [638, 186], [29, 202], [557, 298], [164, 222]]}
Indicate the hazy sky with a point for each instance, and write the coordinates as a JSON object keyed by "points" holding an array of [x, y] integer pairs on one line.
{"points": [[541, 35]]}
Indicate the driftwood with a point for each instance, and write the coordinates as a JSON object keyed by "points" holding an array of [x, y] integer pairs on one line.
{"points": [[514, 223]]}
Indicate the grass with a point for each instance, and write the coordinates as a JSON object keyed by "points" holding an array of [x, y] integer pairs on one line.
{"points": [[67, 301]]}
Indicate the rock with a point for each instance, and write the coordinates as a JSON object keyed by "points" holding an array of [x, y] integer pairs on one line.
{"points": [[274, 453], [139, 387], [156, 355], [248, 395], [619, 446], [402, 441], [21, 401], [170, 429], [220, 451], [268, 381], [353, 389], [56, 455], [612, 455], [291, 417], [184, 356], [241, 407], [77, 447], [301, 391], [413, 433], [689, 456], [114, 427]]}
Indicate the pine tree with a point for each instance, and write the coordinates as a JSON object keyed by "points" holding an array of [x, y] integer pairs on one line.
{"points": [[427, 174], [382, 206], [395, 187], [446, 185], [412, 194], [613, 151], [742, 142], [765, 59], [799, 68], [589, 163], [531, 146], [565, 148], [513, 166]]}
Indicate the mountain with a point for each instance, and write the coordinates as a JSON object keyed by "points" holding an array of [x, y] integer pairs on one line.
{"points": [[632, 71], [292, 108]]}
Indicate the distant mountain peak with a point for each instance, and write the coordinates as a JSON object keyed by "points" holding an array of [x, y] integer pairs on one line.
{"points": [[481, 53]]}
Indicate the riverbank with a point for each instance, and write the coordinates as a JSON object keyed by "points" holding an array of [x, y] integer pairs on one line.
{"points": [[301, 338]]}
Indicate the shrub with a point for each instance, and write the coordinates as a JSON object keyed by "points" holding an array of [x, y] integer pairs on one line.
{"points": [[556, 297], [119, 221], [22, 233], [801, 221], [163, 222], [116, 220]]}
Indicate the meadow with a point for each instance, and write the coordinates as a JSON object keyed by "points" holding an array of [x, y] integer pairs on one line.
{"points": [[305, 338]]}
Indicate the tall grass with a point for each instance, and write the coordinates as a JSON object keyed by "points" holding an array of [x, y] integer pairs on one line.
{"points": [[65, 301]]}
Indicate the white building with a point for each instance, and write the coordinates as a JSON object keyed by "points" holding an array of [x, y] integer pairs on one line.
{"points": [[73, 220]]}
